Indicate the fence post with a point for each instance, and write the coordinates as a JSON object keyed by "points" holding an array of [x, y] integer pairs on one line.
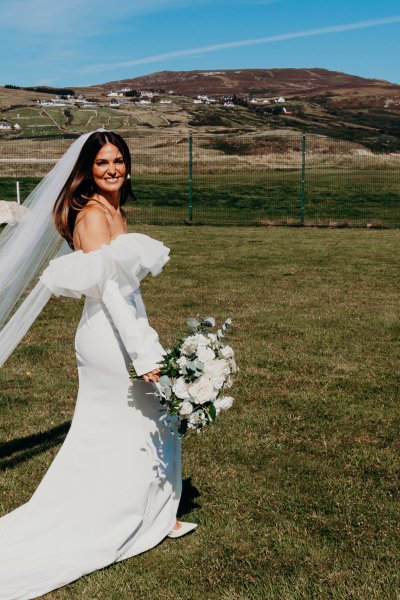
{"points": [[303, 177], [190, 191], [18, 194]]}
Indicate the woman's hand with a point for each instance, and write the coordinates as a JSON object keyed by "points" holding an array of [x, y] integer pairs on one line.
{"points": [[152, 376]]}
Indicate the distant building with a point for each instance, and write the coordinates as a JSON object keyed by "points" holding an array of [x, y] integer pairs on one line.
{"points": [[5, 125], [114, 103], [52, 102], [229, 105], [280, 100], [126, 89], [206, 99], [165, 101]]}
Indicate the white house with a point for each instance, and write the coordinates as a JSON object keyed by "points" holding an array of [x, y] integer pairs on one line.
{"points": [[165, 101], [114, 103], [206, 99], [229, 105], [148, 94], [144, 102], [17, 127], [265, 101], [5, 126], [280, 99], [197, 101], [114, 94], [52, 102], [126, 89]]}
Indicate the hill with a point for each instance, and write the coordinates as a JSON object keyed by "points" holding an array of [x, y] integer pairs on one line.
{"points": [[288, 82], [329, 103]]}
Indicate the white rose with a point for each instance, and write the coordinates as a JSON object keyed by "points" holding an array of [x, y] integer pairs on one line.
{"points": [[217, 368], [186, 408], [223, 403], [189, 345], [205, 354], [226, 352], [196, 417], [182, 361], [202, 390], [218, 382], [180, 388]]}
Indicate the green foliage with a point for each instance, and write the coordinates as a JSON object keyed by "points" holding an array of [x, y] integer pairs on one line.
{"points": [[51, 90]]}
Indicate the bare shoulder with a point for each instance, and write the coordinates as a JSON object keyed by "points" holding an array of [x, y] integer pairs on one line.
{"points": [[91, 229], [90, 212]]}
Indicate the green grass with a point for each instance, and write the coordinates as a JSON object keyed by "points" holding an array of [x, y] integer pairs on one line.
{"points": [[349, 197], [296, 489]]}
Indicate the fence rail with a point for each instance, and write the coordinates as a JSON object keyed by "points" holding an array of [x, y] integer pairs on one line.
{"points": [[246, 179]]}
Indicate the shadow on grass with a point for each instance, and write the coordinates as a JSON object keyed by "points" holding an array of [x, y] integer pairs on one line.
{"points": [[187, 502], [21, 449]]}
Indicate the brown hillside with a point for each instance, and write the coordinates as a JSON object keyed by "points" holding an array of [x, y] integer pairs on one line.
{"points": [[274, 82]]}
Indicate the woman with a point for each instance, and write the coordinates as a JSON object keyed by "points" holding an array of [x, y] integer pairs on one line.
{"points": [[113, 489]]}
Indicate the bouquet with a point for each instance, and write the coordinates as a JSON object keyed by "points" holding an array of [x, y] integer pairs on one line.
{"points": [[195, 374]]}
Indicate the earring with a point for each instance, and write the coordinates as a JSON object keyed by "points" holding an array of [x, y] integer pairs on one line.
{"points": [[128, 176]]}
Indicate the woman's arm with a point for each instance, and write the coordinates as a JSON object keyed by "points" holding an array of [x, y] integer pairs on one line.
{"points": [[139, 339], [91, 229]]}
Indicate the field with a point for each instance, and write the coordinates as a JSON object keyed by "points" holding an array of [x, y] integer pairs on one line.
{"points": [[333, 196], [296, 489]]}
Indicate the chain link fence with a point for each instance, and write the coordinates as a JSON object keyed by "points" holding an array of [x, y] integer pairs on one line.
{"points": [[247, 179]]}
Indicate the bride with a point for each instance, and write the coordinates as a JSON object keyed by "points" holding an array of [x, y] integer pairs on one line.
{"points": [[113, 489]]}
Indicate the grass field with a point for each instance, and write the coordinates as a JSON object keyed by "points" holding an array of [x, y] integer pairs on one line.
{"points": [[296, 489], [344, 197]]}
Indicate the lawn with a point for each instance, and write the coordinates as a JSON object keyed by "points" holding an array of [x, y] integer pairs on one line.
{"points": [[296, 489], [342, 197]]}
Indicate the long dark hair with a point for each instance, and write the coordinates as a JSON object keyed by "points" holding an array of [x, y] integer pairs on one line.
{"points": [[79, 187]]}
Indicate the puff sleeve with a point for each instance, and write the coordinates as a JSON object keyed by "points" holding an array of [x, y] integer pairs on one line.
{"points": [[110, 275]]}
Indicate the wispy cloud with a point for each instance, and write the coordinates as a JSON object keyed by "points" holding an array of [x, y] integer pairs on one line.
{"points": [[240, 43], [52, 17]]}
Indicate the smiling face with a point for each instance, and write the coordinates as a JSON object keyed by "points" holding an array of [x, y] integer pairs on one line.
{"points": [[109, 170]]}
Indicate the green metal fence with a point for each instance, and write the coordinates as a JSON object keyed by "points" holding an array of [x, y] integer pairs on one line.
{"points": [[246, 179]]}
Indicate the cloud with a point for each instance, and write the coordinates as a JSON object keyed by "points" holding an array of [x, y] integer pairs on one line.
{"points": [[52, 17], [98, 68]]}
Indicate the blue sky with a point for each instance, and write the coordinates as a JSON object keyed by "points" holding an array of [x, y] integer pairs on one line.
{"points": [[84, 42]]}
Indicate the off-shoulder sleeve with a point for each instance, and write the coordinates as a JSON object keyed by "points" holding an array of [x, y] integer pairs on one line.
{"points": [[126, 260], [109, 275]]}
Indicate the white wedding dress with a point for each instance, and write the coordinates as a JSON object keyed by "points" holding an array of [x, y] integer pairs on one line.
{"points": [[113, 489]]}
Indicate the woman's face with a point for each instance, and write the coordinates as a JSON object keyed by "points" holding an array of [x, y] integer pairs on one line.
{"points": [[109, 169]]}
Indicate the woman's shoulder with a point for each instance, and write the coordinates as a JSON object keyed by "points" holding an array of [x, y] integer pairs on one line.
{"points": [[91, 224], [91, 212]]}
